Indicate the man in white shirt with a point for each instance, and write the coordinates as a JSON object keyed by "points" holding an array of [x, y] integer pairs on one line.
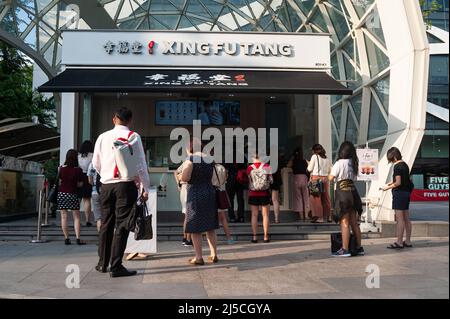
{"points": [[118, 194]]}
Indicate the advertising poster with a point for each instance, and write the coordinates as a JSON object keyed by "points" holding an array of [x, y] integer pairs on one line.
{"points": [[368, 164]]}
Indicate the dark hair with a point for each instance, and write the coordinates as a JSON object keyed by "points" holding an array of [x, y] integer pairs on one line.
{"points": [[319, 150], [298, 153], [71, 158], [393, 154], [124, 114], [86, 147], [348, 151]]}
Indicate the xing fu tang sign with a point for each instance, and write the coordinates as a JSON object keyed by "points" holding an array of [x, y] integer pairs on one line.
{"points": [[197, 49]]}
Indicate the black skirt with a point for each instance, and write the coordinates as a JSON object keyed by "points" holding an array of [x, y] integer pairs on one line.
{"points": [[86, 189], [346, 200], [400, 200], [260, 200], [277, 182]]}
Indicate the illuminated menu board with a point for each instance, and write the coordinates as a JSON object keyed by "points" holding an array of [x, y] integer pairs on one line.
{"points": [[217, 112]]}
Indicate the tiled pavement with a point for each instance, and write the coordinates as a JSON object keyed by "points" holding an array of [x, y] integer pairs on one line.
{"points": [[284, 269]]}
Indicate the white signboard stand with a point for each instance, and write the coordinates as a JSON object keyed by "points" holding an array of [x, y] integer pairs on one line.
{"points": [[145, 246], [368, 171]]}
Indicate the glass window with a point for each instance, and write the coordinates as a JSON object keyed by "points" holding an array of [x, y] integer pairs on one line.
{"points": [[356, 103], [434, 124], [335, 144], [434, 146], [438, 94], [362, 6], [335, 67], [213, 7], [336, 112], [168, 20], [158, 150], [349, 48], [377, 124], [352, 75], [378, 61], [162, 5], [18, 191], [305, 5], [438, 69], [196, 8], [339, 23], [373, 25], [295, 19], [319, 22], [351, 133], [382, 90], [433, 39]]}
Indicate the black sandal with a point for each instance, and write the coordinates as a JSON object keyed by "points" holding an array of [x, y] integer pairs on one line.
{"points": [[67, 241], [254, 241], [394, 246], [80, 242], [406, 245]]}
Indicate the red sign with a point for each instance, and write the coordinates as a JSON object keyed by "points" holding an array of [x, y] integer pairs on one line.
{"points": [[426, 195]]}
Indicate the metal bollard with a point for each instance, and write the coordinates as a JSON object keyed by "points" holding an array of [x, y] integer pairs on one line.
{"points": [[38, 239], [47, 204]]}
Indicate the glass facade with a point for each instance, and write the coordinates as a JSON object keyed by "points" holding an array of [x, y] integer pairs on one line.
{"points": [[358, 49], [432, 158]]}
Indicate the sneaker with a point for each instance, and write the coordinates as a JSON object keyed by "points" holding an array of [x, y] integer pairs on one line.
{"points": [[341, 253], [231, 241], [184, 241], [187, 243], [360, 251]]}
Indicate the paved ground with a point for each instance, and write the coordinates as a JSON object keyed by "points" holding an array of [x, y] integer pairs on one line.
{"points": [[287, 269], [429, 211]]}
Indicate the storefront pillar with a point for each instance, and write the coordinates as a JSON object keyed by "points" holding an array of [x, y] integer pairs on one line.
{"points": [[68, 124], [323, 129]]}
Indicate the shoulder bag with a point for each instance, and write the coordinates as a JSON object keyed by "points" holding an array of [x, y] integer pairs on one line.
{"points": [[223, 201], [316, 187], [52, 196]]}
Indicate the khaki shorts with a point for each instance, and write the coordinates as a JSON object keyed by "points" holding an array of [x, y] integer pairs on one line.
{"points": [[96, 207]]}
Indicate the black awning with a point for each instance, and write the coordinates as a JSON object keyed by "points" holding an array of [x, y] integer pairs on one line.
{"points": [[151, 80]]}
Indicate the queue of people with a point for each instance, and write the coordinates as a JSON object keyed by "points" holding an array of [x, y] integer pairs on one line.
{"points": [[207, 192]]}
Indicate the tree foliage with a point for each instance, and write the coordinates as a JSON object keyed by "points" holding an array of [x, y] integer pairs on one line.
{"points": [[428, 8], [17, 98]]}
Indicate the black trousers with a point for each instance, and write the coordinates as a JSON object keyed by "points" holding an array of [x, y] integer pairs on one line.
{"points": [[116, 201], [235, 189]]}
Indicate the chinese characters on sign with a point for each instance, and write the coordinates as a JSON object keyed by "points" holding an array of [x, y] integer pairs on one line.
{"points": [[123, 47], [195, 79], [203, 48], [368, 164]]}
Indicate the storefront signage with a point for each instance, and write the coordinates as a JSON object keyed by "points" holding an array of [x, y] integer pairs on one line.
{"points": [[438, 183], [200, 48], [196, 49], [426, 195], [189, 79], [368, 164]]}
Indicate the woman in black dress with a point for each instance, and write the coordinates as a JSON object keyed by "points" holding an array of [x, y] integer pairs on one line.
{"points": [[201, 206], [401, 192]]}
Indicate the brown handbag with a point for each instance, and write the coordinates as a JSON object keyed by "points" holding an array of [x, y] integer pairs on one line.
{"points": [[223, 201]]}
